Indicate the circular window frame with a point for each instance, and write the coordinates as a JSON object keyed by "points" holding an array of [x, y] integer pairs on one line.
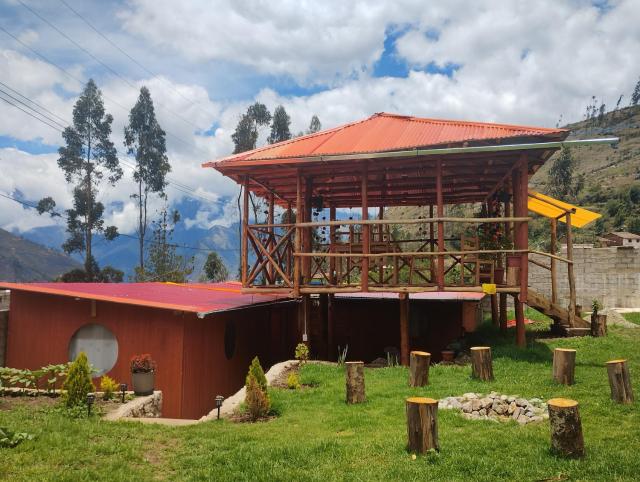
{"points": [[108, 352]]}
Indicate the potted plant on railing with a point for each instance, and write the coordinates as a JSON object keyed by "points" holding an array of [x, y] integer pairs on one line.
{"points": [[143, 370]]}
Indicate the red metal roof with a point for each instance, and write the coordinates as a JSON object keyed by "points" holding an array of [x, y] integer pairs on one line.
{"points": [[195, 298], [384, 132]]}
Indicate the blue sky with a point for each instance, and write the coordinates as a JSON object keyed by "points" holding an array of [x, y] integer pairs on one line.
{"points": [[206, 61]]}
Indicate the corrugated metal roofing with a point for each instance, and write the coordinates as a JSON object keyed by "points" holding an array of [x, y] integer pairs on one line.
{"points": [[426, 295], [194, 298], [387, 132]]}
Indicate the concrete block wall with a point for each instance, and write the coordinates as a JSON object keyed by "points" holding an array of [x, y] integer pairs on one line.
{"points": [[610, 275]]}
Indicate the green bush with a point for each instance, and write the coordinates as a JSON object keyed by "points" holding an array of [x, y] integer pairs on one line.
{"points": [[257, 398], [293, 382], [9, 439], [78, 383], [302, 353], [108, 386]]}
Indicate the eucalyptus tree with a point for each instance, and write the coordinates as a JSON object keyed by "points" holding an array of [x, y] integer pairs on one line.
{"points": [[314, 125], [280, 126], [145, 139], [88, 160]]}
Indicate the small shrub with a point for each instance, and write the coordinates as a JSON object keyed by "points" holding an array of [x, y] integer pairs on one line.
{"points": [[78, 383], [595, 306], [342, 355], [9, 439], [293, 382], [108, 386], [302, 353], [256, 399], [142, 364], [256, 370]]}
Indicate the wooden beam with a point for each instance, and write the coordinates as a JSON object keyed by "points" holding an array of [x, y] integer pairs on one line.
{"points": [[404, 329], [364, 275], [572, 279], [440, 214], [553, 267], [298, 238], [244, 262]]}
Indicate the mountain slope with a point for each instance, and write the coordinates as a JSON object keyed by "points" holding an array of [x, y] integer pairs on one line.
{"points": [[23, 260]]}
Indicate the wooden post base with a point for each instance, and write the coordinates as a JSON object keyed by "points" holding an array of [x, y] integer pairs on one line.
{"points": [[422, 424], [564, 365], [566, 427], [481, 363], [355, 382], [419, 368], [620, 381], [598, 325]]}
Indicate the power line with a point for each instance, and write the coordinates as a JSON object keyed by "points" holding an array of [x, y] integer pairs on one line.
{"points": [[110, 69], [126, 54], [137, 238], [185, 189], [80, 81]]}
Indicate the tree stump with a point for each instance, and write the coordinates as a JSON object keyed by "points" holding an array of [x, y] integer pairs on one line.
{"points": [[564, 365], [481, 363], [598, 325], [620, 381], [419, 368], [355, 382], [566, 428], [422, 424]]}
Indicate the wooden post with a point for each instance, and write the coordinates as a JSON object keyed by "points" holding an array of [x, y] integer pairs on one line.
{"points": [[332, 244], [598, 325], [494, 310], [331, 349], [440, 214], [481, 363], [380, 240], [566, 427], [422, 424], [364, 275], [521, 235], [564, 365], [620, 381], [572, 279], [554, 251], [308, 232], [404, 329], [271, 242], [244, 262], [419, 368], [355, 382], [298, 239], [432, 246], [521, 337], [503, 311]]}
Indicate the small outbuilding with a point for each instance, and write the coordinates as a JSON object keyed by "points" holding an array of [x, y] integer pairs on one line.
{"points": [[202, 336], [622, 238]]}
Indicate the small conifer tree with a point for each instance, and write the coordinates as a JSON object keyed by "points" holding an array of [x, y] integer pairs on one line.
{"points": [[257, 401], [256, 370], [78, 383]]}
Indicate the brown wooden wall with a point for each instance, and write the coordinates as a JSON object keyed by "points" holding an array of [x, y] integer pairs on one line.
{"points": [[192, 367]]}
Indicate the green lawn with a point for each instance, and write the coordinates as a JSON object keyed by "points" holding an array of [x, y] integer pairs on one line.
{"points": [[318, 437], [632, 317]]}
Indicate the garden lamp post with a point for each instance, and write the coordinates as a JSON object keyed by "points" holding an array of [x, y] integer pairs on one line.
{"points": [[91, 397], [123, 389], [219, 400]]}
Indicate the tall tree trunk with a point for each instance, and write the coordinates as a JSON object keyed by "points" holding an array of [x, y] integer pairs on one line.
{"points": [[140, 227]]}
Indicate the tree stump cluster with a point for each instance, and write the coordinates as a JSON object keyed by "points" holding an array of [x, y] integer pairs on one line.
{"points": [[355, 382], [422, 424], [419, 368], [620, 381], [566, 427], [564, 365], [481, 363]]}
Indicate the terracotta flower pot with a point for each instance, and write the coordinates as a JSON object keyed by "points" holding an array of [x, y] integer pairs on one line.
{"points": [[448, 355], [143, 382]]}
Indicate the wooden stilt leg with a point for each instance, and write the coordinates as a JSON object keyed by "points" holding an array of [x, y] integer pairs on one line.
{"points": [[521, 339], [503, 312], [404, 329]]}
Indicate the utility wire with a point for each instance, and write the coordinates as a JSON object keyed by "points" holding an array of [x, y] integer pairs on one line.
{"points": [[146, 241], [126, 54]]}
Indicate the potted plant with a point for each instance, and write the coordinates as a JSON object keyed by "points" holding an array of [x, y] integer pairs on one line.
{"points": [[143, 370]]}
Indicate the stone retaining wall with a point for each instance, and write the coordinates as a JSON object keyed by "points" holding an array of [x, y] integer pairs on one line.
{"points": [[610, 275], [140, 407]]}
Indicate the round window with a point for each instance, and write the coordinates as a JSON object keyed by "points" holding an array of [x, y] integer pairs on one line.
{"points": [[229, 339], [100, 345]]}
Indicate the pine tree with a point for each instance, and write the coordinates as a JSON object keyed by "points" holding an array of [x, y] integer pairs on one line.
{"points": [[145, 139], [635, 97], [87, 157], [561, 174], [163, 263], [314, 125], [214, 268], [78, 383], [280, 126]]}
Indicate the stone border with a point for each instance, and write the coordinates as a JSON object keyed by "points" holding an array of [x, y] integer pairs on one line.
{"points": [[497, 407], [140, 407]]}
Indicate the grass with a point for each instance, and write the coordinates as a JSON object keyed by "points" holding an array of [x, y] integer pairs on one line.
{"points": [[632, 317], [318, 437]]}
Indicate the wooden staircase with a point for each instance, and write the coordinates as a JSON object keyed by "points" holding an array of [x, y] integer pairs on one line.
{"points": [[571, 326]]}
